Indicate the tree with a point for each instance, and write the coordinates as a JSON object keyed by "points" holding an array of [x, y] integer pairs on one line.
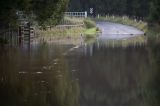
{"points": [[155, 10], [44, 10], [114, 7]]}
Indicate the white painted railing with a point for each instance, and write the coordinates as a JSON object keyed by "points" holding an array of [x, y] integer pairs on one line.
{"points": [[76, 14]]}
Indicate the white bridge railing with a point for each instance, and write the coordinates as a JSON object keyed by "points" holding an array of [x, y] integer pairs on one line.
{"points": [[76, 14]]}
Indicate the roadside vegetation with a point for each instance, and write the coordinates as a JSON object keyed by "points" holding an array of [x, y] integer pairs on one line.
{"points": [[146, 10], [76, 27], [91, 29]]}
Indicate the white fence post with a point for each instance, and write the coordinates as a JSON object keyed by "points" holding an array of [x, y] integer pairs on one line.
{"points": [[85, 14], [98, 16]]}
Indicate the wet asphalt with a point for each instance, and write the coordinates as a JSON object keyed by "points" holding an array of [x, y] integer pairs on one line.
{"points": [[117, 31]]}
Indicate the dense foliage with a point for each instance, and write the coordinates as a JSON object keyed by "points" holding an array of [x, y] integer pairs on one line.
{"points": [[155, 11], [132, 8], [44, 10], [51, 11], [118, 7]]}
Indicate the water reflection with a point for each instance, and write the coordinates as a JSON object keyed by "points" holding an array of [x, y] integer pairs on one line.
{"points": [[102, 73], [37, 78], [152, 88], [113, 76]]}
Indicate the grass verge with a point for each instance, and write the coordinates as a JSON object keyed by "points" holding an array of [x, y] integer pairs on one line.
{"points": [[91, 32], [89, 29]]}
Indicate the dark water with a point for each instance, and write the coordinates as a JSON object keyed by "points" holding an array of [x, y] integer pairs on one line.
{"points": [[92, 75]]}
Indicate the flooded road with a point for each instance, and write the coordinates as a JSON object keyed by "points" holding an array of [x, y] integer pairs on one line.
{"points": [[117, 31], [94, 74]]}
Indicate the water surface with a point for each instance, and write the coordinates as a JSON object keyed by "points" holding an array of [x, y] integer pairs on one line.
{"points": [[102, 73]]}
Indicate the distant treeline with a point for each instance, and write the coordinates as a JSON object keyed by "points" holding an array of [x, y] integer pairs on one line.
{"points": [[51, 11], [132, 8]]}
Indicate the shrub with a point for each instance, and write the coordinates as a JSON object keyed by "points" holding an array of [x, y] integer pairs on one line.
{"points": [[89, 23]]}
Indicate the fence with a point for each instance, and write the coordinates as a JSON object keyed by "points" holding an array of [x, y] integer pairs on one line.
{"points": [[76, 14]]}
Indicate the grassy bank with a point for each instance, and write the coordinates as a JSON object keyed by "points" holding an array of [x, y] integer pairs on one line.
{"points": [[87, 28], [91, 30], [61, 32]]}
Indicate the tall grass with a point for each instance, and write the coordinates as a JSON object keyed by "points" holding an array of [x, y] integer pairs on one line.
{"points": [[61, 32], [89, 23], [88, 29], [72, 21]]}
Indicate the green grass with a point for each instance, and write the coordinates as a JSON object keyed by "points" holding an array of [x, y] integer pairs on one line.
{"points": [[73, 20], [62, 32], [89, 23], [90, 31]]}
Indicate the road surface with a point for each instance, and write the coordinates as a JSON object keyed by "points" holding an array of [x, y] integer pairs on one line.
{"points": [[117, 31]]}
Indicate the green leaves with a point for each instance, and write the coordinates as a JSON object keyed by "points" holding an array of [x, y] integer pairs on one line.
{"points": [[44, 10], [155, 10], [113, 7]]}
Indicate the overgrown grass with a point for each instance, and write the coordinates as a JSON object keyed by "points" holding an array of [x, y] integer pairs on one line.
{"points": [[92, 32], [89, 23], [89, 29], [62, 32], [72, 21]]}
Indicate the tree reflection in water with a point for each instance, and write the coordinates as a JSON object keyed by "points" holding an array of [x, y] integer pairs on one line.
{"points": [[93, 75], [24, 82], [117, 76], [152, 90]]}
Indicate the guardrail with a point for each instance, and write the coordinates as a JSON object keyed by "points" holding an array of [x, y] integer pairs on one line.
{"points": [[76, 14], [70, 26]]}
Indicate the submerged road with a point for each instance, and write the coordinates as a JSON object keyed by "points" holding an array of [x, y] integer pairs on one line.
{"points": [[117, 31]]}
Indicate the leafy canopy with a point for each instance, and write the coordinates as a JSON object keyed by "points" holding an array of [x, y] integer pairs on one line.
{"points": [[44, 10]]}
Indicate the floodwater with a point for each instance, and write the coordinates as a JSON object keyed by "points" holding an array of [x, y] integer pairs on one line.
{"points": [[101, 73]]}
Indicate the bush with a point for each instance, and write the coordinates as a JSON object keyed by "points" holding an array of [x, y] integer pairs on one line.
{"points": [[89, 23]]}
